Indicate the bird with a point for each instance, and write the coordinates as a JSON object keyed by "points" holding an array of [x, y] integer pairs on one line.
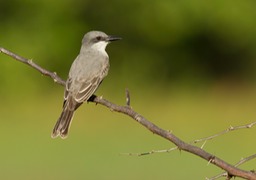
{"points": [[85, 75]]}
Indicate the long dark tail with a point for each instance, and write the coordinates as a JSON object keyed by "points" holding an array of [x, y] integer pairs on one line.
{"points": [[62, 126]]}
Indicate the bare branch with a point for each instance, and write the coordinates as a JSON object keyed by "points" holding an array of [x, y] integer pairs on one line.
{"points": [[242, 161], [29, 62], [232, 170], [231, 128], [205, 140]]}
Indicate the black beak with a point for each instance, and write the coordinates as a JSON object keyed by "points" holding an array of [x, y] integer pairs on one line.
{"points": [[113, 38]]}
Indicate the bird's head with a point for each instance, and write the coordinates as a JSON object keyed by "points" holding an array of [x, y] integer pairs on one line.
{"points": [[98, 40]]}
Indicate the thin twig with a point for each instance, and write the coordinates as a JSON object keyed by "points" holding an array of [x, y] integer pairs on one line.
{"points": [[151, 152], [128, 99], [231, 128], [232, 170], [244, 160]]}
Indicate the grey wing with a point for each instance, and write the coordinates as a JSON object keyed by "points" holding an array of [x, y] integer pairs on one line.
{"points": [[69, 101], [68, 84], [86, 87]]}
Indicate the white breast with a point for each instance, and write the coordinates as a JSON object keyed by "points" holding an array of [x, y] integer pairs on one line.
{"points": [[100, 46]]}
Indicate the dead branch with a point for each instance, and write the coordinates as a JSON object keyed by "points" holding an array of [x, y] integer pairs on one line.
{"points": [[231, 128], [242, 161], [230, 169], [204, 140]]}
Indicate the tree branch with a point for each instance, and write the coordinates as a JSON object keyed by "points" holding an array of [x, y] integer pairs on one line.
{"points": [[205, 140], [231, 170], [29, 62], [242, 161], [231, 128]]}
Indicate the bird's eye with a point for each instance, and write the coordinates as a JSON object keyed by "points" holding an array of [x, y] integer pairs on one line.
{"points": [[98, 38]]}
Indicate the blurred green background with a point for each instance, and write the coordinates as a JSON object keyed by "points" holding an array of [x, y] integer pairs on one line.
{"points": [[189, 65]]}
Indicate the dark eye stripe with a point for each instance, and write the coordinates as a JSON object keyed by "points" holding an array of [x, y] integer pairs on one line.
{"points": [[98, 38]]}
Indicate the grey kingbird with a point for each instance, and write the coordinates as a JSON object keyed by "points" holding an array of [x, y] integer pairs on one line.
{"points": [[85, 75]]}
